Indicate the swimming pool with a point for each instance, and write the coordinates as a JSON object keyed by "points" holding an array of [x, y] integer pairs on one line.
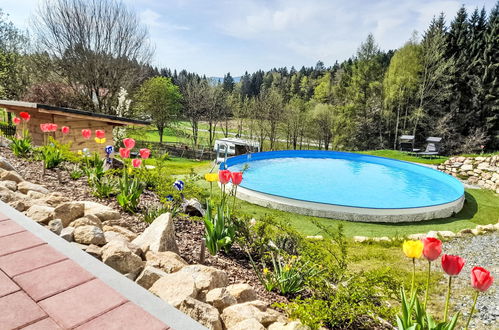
{"points": [[347, 186]]}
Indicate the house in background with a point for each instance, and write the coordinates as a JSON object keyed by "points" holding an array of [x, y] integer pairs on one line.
{"points": [[75, 119]]}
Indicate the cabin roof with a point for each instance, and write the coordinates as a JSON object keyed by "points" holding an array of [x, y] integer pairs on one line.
{"points": [[68, 112]]}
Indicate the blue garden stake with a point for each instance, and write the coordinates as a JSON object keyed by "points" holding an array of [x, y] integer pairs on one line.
{"points": [[109, 150], [169, 198], [179, 185]]}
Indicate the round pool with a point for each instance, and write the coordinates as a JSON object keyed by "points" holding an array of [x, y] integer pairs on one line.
{"points": [[347, 186]]}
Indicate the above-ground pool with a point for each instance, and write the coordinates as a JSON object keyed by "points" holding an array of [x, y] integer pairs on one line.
{"points": [[347, 186]]}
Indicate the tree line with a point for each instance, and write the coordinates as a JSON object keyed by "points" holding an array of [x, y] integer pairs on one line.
{"points": [[441, 83]]}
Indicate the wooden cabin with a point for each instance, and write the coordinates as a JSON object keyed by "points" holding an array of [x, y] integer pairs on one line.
{"points": [[75, 119]]}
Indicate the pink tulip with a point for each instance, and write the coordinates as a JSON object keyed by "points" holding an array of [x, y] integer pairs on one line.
{"points": [[52, 127], [86, 133], [136, 162], [16, 120], [100, 134], [144, 153], [65, 130], [129, 143], [125, 153]]}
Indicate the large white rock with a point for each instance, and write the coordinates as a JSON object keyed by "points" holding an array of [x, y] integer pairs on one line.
{"points": [[149, 276], [248, 324], [5, 165], [55, 226], [40, 213], [103, 212], [68, 233], [117, 255], [89, 235], [167, 261], [294, 325], [205, 314], [243, 292], [205, 277], [130, 235], [174, 288], [68, 212], [88, 220], [220, 298], [6, 195], [26, 186], [159, 236], [11, 176], [257, 310], [11, 185]]}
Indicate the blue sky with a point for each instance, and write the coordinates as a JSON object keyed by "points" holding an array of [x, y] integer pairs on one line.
{"points": [[215, 37]]}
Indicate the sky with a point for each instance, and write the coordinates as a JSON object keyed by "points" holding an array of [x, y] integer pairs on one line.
{"points": [[213, 37]]}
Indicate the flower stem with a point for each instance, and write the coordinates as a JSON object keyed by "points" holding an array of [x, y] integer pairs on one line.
{"points": [[413, 274], [447, 300], [427, 285], [472, 309]]}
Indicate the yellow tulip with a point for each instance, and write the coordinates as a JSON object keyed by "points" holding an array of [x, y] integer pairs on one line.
{"points": [[265, 271], [413, 249], [80, 152], [211, 177]]}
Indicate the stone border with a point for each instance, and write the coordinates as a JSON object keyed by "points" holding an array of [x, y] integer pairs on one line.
{"points": [[350, 213], [130, 290]]}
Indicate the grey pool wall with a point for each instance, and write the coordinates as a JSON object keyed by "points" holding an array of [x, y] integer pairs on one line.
{"points": [[340, 212]]}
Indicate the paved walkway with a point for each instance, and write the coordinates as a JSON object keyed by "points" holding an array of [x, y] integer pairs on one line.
{"points": [[41, 288]]}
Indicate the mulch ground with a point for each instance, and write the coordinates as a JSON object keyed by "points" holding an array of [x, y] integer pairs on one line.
{"points": [[188, 231]]}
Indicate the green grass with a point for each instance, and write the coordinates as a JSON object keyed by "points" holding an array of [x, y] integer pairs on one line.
{"points": [[481, 207], [395, 154], [180, 166]]}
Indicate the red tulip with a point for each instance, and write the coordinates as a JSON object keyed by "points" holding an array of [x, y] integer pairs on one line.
{"points": [[481, 279], [432, 248], [224, 176], [129, 143], [65, 130], [52, 127], [136, 162], [86, 133], [25, 116], [100, 134], [125, 153], [237, 177], [16, 120], [144, 153], [452, 265]]}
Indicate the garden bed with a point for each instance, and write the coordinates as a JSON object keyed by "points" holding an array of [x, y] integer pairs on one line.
{"points": [[189, 231]]}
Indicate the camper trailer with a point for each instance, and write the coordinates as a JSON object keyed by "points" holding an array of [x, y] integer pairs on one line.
{"points": [[228, 147]]}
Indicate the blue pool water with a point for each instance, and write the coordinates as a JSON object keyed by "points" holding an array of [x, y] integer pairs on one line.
{"points": [[346, 179]]}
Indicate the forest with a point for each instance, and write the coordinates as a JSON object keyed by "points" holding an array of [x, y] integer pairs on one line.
{"points": [[441, 82]]}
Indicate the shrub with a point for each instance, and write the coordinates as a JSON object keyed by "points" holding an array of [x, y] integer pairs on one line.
{"points": [[51, 156], [219, 229], [105, 187], [75, 172], [21, 147], [129, 192]]}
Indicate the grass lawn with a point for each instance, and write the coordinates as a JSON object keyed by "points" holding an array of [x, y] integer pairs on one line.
{"points": [[395, 154]]}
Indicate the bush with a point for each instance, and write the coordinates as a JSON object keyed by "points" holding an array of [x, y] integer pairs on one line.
{"points": [[130, 190], [51, 156], [105, 187], [21, 147]]}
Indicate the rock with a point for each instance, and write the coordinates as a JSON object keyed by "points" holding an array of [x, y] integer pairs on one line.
{"points": [[248, 324], [5, 165], [80, 246], [476, 231], [315, 237], [381, 239], [149, 276], [55, 226], [220, 298], [68, 212], [35, 194], [53, 199], [117, 255], [26, 186], [416, 237], [193, 207], [89, 235], [114, 236], [103, 212], [159, 236], [205, 277], [446, 234], [242, 292], [88, 220], [257, 310], [6, 195], [465, 231], [133, 275], [94, 251], [294, 325], [174, 288], [68, 234], [11, 185], [11, 176], [205, 314], [486, 228], [167, 261], [360, 239], [467, 167], [114, 164], [20, 205], [130, 235], [40, 213]]}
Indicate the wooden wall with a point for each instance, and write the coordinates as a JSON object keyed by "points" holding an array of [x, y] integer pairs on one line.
{"points": [[75, 126]]}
